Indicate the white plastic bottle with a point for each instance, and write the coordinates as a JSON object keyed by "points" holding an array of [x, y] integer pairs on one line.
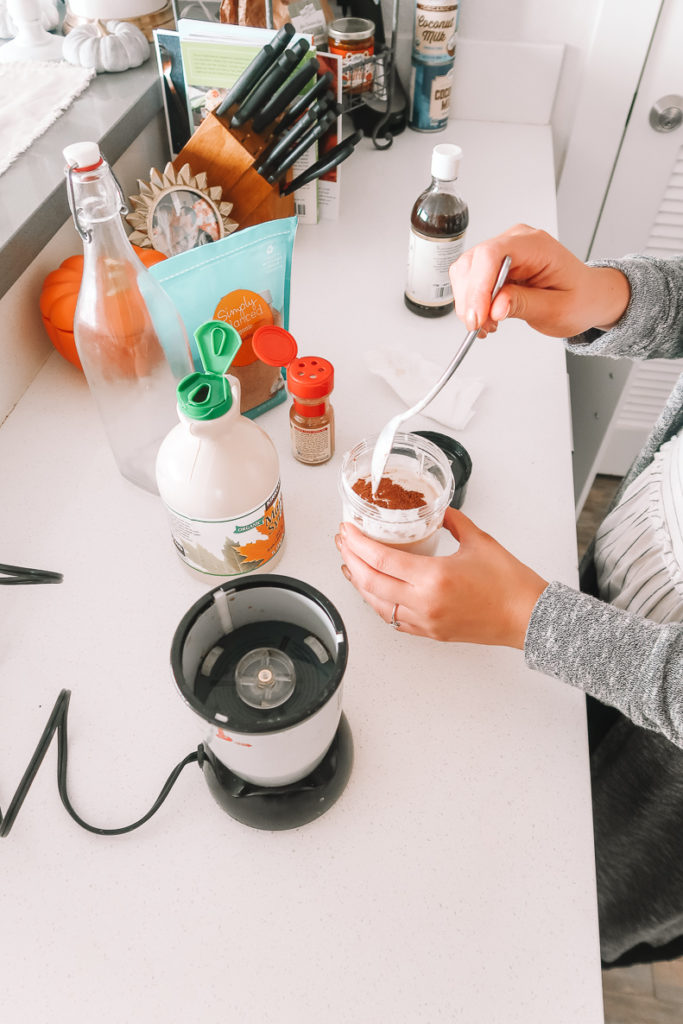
{"points": [[218, 472], [130, 338]]}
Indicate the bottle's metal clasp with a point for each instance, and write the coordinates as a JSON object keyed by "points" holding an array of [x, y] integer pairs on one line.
{"points": [[85, 234]]}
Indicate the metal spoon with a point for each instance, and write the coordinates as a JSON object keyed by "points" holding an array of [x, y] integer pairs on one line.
{"points": [[385, 440]]}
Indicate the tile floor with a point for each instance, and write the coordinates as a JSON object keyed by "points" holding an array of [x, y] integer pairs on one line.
{"points": [[644, 993]]}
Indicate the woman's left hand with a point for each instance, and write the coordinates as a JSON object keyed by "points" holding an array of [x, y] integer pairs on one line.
{"points": [[480, 594]]}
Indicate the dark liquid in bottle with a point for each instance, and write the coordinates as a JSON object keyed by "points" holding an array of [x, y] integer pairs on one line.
{"points": [[437, 215]]}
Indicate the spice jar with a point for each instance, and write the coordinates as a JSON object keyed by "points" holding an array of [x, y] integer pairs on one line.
{"points": [[353, 39], [310, 380]]}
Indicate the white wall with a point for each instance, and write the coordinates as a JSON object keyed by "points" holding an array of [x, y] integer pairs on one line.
{"points": [[528, 21]]}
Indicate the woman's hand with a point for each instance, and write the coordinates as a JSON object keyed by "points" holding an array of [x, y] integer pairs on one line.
{"points": [[481, 594], [547, 286]]}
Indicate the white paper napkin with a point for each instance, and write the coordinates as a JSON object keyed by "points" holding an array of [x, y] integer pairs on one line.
{"points": [[411, 376]]}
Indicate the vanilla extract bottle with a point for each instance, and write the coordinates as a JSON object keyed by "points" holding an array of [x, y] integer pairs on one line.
{"points": [[438, 223]]}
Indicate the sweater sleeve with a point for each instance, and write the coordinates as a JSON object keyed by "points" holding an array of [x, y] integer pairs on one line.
{"points": [[619, 658], [652, 324]]}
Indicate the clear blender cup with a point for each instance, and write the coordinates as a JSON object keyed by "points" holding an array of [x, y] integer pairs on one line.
{"points": [[414, 464]]}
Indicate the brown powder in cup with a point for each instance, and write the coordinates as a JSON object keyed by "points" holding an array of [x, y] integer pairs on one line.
{"points": [[389, 494]]}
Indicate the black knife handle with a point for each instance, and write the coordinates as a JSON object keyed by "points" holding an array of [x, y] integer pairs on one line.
{"points": [[270, 83], [309, 138], [253, 73], [283, 96], [298, 106], [308, 120], [327, 162]]}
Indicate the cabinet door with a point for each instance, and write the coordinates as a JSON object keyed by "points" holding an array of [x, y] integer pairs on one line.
{"points": [[615, 402]]}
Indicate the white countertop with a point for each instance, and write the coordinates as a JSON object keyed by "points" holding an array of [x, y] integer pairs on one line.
{"points": [[454, 880]]}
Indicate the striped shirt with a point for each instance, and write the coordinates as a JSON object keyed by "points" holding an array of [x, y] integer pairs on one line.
{"points": [[639, 546]]}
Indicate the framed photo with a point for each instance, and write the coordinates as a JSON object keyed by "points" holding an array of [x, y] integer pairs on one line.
{"points": [[182, 219], [177, 211]]}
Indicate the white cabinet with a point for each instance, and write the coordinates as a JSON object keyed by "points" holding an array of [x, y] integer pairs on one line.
{"points": [[615, 402]]}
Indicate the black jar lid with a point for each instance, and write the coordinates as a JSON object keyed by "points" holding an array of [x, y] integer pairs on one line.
{"points": [[459, 458]]}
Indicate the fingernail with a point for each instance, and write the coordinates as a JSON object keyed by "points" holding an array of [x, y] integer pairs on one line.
{"points": [[345, 571], [338, 542], [342, 530], [471, 319]]}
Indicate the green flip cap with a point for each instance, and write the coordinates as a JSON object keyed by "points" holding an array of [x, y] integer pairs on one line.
{"points": [[204, 396], [218, 344]]}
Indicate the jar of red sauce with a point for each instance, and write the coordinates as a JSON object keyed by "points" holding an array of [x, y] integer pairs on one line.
{"points": [[353, 39]]}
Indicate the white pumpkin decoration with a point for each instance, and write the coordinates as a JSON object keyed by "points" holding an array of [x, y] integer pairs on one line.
{"points": [[49, 18], [106, 46]]}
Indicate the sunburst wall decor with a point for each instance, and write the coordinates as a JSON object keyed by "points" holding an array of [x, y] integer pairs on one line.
{"points": [[177, 211]]}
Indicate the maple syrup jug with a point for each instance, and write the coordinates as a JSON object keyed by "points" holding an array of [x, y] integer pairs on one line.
{"points": [[218, 472]]}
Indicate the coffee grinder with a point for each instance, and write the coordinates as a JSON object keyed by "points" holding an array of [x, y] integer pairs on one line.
{"points": [[261, 660]]}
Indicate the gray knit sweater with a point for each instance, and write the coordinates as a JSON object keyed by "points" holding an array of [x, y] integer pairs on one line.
{"points": [[622, 660], [635, 666]]}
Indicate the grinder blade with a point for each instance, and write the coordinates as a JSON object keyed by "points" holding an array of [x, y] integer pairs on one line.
{"points": [[265, 677]]}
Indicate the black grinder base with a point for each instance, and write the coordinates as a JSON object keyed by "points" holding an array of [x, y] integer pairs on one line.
{"points": [[276, 808]]}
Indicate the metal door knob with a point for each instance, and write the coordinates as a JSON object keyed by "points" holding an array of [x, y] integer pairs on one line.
{"points": [[667, 113]]}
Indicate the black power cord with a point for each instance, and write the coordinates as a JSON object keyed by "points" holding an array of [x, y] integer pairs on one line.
{"points": [[12, 575], [57, 723]]}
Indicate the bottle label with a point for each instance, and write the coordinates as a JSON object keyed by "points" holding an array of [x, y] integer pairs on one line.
{"points": [[436, 25], [428, 262], [311, 445], [228, 547]]}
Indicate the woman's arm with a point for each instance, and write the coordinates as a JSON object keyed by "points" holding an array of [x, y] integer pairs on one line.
{"points": [[547, 286], [629, 307], [621, 659], [481, 594], [652, 324]]}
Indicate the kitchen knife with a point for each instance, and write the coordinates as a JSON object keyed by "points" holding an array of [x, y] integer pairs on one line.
{"points": [[253, 74], [298, 106], [292, 87], [331, 159], [293, 155], [270, 83], [312, 115]]}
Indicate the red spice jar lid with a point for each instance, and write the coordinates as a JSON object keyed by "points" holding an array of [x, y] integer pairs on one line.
{"points": [[307, 377], [274, 345], [310, 377]]}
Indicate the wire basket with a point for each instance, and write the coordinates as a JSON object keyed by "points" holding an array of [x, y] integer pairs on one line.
{"points": [[369, 81]]}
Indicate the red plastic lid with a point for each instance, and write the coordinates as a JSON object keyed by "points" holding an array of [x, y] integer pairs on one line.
{"points": [[310, 377], [273, 345], [307, 376]]}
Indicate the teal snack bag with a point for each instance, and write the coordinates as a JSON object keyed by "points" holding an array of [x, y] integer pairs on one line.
{"points": [[243, 279]]}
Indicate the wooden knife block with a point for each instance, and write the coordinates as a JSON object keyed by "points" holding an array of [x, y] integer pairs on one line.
{"points": [[226, 161]]}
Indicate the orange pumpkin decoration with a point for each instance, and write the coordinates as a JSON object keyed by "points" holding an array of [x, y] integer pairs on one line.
{"points": [[59, 295]]}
